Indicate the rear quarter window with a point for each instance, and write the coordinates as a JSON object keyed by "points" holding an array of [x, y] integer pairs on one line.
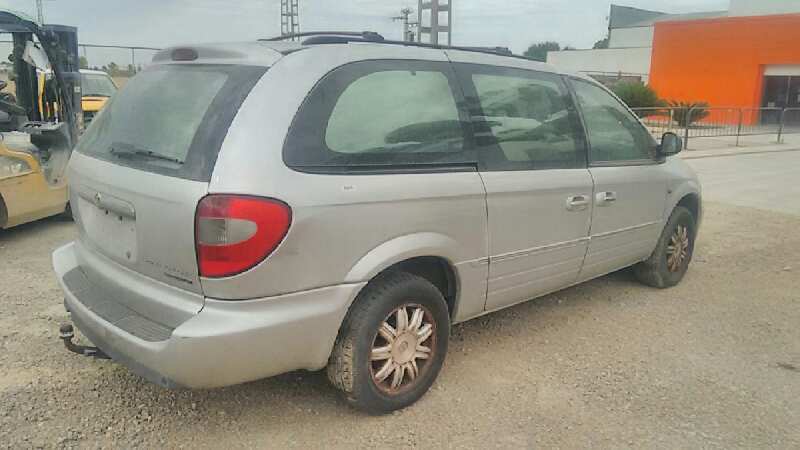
{"points": [[380, 115]]}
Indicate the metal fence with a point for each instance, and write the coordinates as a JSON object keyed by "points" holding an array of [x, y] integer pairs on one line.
{"points": [[700, 122], [128, 59]]}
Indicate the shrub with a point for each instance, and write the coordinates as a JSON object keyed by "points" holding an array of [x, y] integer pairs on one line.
{"points": [[637, 94], [681, 114]]}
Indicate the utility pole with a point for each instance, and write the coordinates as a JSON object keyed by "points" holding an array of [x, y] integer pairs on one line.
{"points": [[434, 27], [405, 13], [290, 17], [40, 11]]}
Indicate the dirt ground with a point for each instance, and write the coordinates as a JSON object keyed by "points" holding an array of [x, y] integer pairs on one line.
{"points": [[713, 363]]}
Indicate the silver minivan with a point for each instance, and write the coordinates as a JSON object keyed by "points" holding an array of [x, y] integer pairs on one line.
{"points": [[246, 210]]}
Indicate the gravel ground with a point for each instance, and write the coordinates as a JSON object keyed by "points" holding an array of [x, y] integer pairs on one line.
{"points": [[713, 363]]}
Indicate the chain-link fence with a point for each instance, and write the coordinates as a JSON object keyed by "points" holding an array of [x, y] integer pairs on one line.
{"points": [[700, 122], [119, 61]]}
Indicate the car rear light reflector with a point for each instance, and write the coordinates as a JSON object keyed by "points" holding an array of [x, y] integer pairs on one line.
{"points": [[236, 233]]}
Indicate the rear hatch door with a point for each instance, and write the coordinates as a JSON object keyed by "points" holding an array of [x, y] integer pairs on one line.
{"points": [[145, 163]]}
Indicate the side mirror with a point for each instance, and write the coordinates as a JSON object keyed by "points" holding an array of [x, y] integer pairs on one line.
{"points": [[671, 144]]}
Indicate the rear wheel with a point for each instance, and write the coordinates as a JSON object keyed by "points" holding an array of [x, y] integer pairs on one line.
{"points": [[392, 344], [670, 261], [3, 213]]}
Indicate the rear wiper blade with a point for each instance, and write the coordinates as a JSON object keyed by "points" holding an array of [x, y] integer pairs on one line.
{"points": [[127, 150]]}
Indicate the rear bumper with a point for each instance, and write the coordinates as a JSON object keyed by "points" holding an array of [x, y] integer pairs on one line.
{"points": [[227, 342]]}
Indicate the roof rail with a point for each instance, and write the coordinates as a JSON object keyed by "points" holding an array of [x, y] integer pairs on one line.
{"points": [[344, 37], [370, 36]]}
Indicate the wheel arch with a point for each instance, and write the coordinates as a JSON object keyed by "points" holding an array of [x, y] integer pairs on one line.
{"points": [[692, 203], [687, 195], [428, 255], [438, 271]]}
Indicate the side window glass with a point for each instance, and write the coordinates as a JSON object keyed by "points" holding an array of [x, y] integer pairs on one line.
{"points": [[381, 115], [614, 133], [525, 121], [402, 112]]}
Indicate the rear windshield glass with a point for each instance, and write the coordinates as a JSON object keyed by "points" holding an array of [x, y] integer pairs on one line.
{"points": [[171, 119], [96, 85]]}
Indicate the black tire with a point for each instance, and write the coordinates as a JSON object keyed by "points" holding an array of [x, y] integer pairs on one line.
{"points": [[3, 213], [656, 271], [350, 368]]}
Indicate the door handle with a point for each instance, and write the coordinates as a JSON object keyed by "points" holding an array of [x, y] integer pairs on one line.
{"points": [[578, 203], [606, 198]]}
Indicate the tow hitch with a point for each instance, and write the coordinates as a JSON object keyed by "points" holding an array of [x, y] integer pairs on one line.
{"points": [[67, 333]]}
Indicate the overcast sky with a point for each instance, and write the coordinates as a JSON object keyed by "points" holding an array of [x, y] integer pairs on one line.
{"points": [[160, 23]]}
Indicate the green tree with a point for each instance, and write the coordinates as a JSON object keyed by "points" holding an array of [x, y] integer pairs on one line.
{"points": [[601, 44], [83, 62], [538, 52], [637, 94], [687, 113]]}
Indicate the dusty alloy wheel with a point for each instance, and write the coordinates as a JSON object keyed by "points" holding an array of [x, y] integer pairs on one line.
{"points": [[392, 344], [670, 261], [678, 249], [402, 348]]}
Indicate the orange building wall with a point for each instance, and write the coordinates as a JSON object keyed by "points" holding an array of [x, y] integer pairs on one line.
{"points": [[721, 61]]}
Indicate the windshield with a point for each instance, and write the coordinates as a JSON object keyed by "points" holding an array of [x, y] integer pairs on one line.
{"points": [[170, 119], [95, 85]]}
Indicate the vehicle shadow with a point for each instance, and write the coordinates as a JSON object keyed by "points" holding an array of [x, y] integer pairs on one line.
{"points": [[311, 393]]}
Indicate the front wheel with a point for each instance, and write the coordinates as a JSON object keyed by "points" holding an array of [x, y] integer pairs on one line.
{"points": [[670, 261], [392, 344]]}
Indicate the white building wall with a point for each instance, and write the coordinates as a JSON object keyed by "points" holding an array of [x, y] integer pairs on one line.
{"points": [[763, 7], [631, 37], [635, 61], [783, 70]]}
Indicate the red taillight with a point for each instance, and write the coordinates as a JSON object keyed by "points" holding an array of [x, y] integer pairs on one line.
{"points": [[235, 233]]}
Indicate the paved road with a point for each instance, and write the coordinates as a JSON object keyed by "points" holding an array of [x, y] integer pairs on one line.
{"points": [[768, 181]]}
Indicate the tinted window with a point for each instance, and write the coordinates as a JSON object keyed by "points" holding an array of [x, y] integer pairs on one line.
{"points": [[396, 111], [379, 115], [523, 120], [171, 119], [614, 133]]}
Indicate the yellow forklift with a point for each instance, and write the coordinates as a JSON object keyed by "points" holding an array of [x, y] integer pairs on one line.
{"points": [[39, 121]]}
